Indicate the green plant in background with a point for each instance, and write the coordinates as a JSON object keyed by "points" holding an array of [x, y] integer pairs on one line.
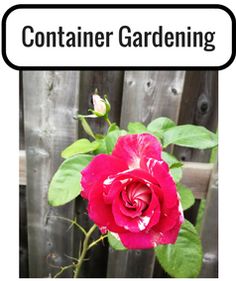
{"points": [[184, 257]]}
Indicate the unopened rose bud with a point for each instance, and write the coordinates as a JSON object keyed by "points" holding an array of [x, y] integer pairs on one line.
{"points": [[99, 105]]}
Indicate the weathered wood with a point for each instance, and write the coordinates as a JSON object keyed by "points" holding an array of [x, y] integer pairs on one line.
{"points": [[21, 113], [135, 259], [147, 95], [50, 100], [110, 83], [209, 230], [107, 82], [22, 168], [151, 94], [196, 176], [199, 106], [117, 261], [24, 272]]}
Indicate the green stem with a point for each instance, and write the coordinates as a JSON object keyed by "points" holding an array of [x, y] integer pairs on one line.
{"points": [[63, 269], [73, 222], [108, 121], [84, 251], [101, 238]]}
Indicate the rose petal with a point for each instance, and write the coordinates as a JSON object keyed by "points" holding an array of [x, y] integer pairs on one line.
{"points": [[140, 240], [101, 213], [154, 209], [98, 170], [159, 171], [132, 148], [170, 236], [128, 223], [136, 221], [168, 219], [114, 184]]}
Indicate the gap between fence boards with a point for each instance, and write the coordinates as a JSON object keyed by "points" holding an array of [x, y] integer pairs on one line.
{"points": [[196, 176]]}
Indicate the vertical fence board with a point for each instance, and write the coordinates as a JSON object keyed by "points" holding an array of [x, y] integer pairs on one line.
{"points": [[209, 230], [23, 235], [21, 114], [117, 263], [200, 107], [107, 82], [23, 243], [146, 95], [110, 83], [50, 98], [150, 94]]}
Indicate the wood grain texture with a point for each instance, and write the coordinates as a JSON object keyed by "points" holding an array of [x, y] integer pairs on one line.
{"points": [[22, 168], [146, 96], [196, 176], [21, 113], [23, 255], [151, 94], [117, 262], [107, 82], [199, 106], [50, 101], [209, 230], [110, 83]]}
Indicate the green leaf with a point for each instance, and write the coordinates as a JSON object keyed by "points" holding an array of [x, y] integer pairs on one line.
{"points": [[102, 147], [186, 196], [115, 243], [158, 135], [78, 147], [65, 184], [99, 136], [86, 127], [174, 165], [190, 136], [160, 124], [111, 139], [113, 127], [184, 258], [136, 128]]}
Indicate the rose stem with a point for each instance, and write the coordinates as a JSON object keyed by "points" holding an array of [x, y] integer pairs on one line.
{"points": [[85, 249], [108, 121], [101, 238]]}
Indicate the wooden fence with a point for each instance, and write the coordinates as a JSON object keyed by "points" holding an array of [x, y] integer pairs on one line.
{"points": [[48, 101]]}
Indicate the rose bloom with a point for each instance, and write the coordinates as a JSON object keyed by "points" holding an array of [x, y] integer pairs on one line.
{"points": [[132, 194]]}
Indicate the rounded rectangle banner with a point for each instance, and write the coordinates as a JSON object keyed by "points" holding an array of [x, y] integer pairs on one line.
{"points": [[118, 36]]}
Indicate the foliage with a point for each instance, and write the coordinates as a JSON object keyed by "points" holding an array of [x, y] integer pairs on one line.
{"points": [[186, 196], [65, 184], [115, 243], [182, 259]]}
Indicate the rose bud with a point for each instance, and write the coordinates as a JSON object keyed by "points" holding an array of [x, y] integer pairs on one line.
{"points": [[132, 194], [101, 106]]}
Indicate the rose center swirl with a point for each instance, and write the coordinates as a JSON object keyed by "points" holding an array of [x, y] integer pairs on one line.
{"points": [[136, 198]]}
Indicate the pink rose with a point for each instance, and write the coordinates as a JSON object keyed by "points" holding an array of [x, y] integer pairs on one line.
{"points": [[132, 193]]}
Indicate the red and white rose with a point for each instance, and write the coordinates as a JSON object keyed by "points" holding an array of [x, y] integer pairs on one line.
{"points": [[132, 194]]}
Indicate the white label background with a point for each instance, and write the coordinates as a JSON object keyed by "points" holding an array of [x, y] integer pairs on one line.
{"points": [[214, 20]]}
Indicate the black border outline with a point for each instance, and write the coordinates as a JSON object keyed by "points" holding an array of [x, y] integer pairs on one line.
{"points": [[118, 6]]}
